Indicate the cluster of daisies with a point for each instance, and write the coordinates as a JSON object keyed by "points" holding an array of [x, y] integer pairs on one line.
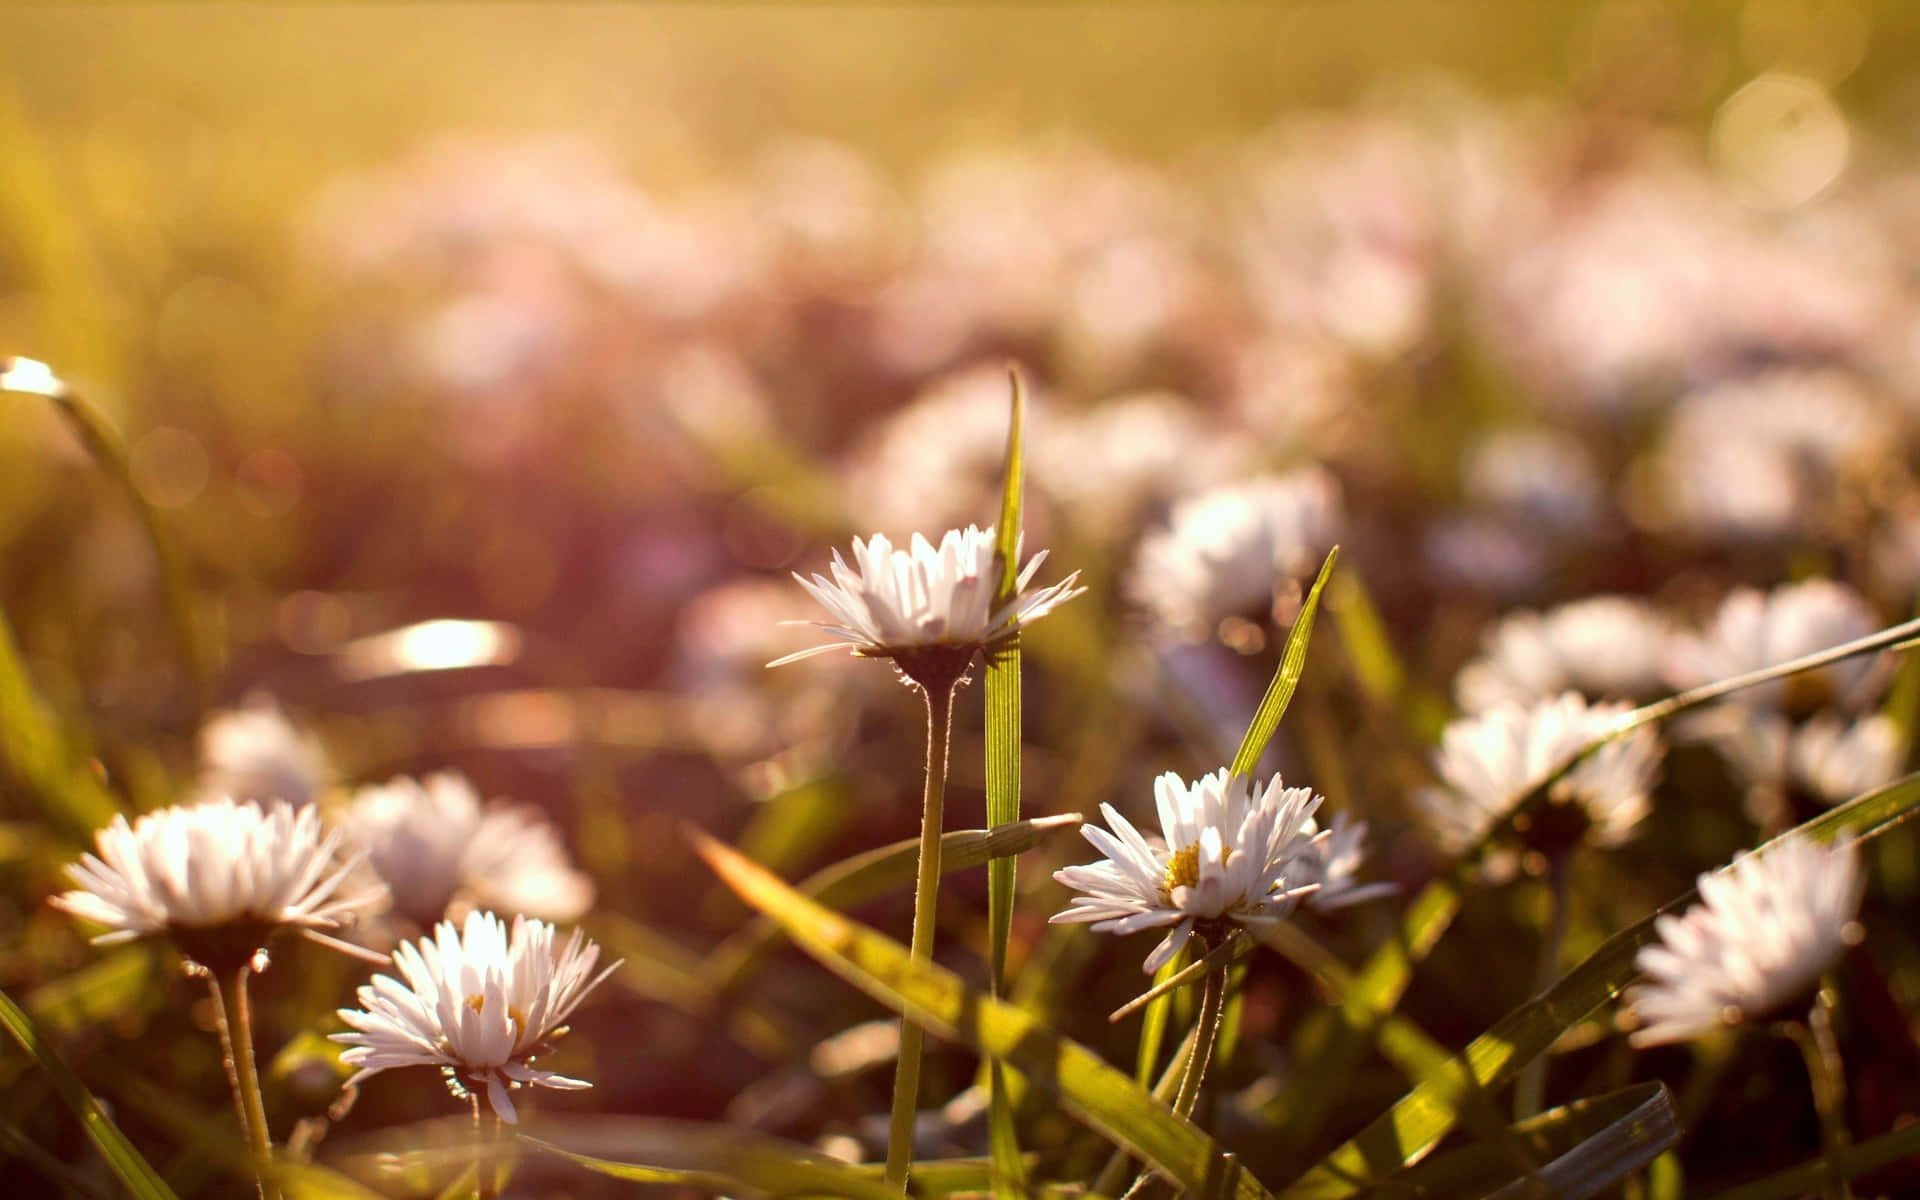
{"points": [[475, 994], [482, 997]]}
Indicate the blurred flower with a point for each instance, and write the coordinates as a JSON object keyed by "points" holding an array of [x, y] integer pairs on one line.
{"points": [[1227, 857], [1490, 760], [1541, 475], [1122, 458], [1227, 550], [1769, 457], [1332, 860], [481, 1003], [1606, 647], [1836, 762], [928, 604], [254, 753], [1765, 928], [433, 843], [218, 878], [1754, 630]]}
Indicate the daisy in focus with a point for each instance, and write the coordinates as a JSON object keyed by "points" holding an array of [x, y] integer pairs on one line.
{"points": [[479, 1001], [1226, 857], [927, 607], [218, 878], [434, 843], [1490, 761], [1764, 930]]}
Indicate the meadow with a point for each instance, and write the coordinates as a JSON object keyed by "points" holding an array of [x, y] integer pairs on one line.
{"points": [[1315, 596]]}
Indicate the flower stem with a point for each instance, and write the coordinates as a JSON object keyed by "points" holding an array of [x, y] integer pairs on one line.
{"points": [[236, 1053], [1827, 1075], [906, 1077], [1206, 1033], [486, 1171], [1530, 1092]]}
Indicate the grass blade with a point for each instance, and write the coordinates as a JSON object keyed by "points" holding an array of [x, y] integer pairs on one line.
{"points": [[1097, 1094], [1293, 660], [126, 1163], [1003, 733], [710, 1157], [1421, 1118], [37, 755], [1810, 1177]]}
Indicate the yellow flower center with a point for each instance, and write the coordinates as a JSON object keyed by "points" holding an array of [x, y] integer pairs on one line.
{"points": [[1183, 869]]}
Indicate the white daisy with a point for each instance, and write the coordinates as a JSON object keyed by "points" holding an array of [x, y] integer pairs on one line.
{"points": [[433, 842], [1226, 551], [1765, 928], [1836, 761], [1333, 862], [479, 1002], [927, 604], [1606, 647], [1754, 630], [217, 877], [1226, 857], [254, 753], [1490, 760]]}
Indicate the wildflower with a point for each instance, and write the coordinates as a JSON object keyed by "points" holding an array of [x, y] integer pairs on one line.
{"points": [[1836, 762], [254, 753], [1792, 771], [480, 1002], [1754, 630], [1227, 857], [218, 878], [1226, 551], [1490, 761], [433, 842], [1606, 647], [1765, 928], [1333, 861], [928, 608]]}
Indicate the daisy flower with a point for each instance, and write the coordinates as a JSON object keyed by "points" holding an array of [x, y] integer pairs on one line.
{"points": [[929, 608], [1608, 647], [254, 753], [1764, 930], [480, 1002], [1491, 760], [217, 877], [433, 842], [1226, 857], [1754, 630], [1332, 861], [1225, 551]]}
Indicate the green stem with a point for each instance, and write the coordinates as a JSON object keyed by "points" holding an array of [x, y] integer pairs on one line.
{"points": [[906, 1077], [486, 1136], [1206, 1033], [243, 1076], [1827, 1074], [1530, 1092]]}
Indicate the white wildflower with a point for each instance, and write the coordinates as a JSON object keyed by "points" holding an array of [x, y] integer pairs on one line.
{"points": [[433, 843], [1491, 760], [479, 1002], [1754, 630], [1605, 647], [254, 753], [1764, 929], [1226, 551], [218, 877], [1226, 856]]}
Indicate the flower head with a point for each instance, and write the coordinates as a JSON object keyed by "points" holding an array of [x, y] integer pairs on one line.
{"points": [[254, 753], [1765, 927], [1754, 630], [927, 601], [1490, 761], [432, 842], [480, 1002], [1225, 551], [1607, 647], [218, 877], [1227, 856]]}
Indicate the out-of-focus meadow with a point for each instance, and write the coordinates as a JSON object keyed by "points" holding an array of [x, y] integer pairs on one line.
{"points": [[586, 327]]}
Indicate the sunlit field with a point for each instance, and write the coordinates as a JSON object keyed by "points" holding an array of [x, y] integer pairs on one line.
{"points": [[1220, 601]]}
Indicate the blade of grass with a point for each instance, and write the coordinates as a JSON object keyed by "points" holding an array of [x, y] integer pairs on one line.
{"points": [[1293, 660], [1808, 1178], [1003, 732], [1583, 1148], [1088, 1088], [37, 754], [1421, 1118], [126, 1163]]}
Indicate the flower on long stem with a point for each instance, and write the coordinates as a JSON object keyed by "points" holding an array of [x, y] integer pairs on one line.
{"points": [[1226, 856], [480, 1001], [928, 608]]}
